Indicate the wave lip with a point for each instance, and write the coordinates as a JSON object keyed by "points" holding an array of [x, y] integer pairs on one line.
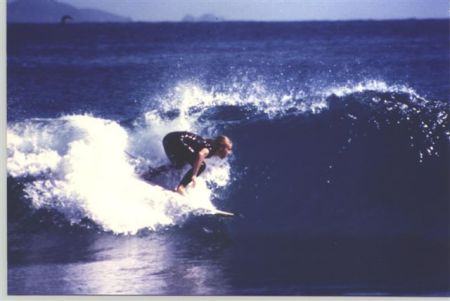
{"points": [[369, 85], [394, 105], [188, 103]]}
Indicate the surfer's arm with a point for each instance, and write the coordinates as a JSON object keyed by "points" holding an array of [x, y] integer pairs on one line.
{"points": [[202, 154]]}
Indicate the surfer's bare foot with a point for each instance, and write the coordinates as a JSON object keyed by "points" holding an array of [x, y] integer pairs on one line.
{"points": [[180, 189]]}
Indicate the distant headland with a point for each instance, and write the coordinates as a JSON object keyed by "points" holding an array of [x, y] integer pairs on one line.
{"points": [[52, 11], [203, 18]]}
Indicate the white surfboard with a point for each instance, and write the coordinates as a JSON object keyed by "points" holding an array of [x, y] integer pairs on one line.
{"points": [[221, 213], [215, 212]]}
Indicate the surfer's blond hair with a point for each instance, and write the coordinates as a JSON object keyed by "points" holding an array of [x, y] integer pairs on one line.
{"points": [[223, 140]]}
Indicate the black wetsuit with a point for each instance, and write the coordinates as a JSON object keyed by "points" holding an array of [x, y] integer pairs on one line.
{"points": [[183, 147]]}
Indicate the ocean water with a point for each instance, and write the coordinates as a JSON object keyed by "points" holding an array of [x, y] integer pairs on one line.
{"points": [[339, 173]]}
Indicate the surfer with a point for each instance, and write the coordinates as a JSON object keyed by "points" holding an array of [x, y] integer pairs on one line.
{"points": [[188, 148]]}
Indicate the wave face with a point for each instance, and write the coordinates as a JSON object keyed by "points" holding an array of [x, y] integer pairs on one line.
{"points": [[87, 167]]}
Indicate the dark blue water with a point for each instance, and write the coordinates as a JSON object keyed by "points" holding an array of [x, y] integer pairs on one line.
{"points": [[339, 172]]}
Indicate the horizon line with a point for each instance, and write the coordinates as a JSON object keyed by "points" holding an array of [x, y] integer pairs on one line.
{"points": [[241, 21]]}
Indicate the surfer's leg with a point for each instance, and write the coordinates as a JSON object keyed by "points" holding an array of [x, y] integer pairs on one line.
{"points": [[188, 176], [154, 172], [172, 150], [175, 151]]}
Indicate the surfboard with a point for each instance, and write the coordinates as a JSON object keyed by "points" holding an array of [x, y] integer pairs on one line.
{"points": [[221, 213], [214, 212]]}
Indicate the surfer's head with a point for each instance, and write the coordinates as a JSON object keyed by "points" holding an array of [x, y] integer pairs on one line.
{"points": [[224, 146]]}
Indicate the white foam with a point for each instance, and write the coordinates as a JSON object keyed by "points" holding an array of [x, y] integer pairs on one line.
{"points": [[84, 172]]}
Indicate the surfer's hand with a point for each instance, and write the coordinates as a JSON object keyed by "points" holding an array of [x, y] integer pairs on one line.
{"points": [[194, 181]]}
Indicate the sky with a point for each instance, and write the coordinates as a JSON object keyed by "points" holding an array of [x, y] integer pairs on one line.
{"points": [[271, 10]]}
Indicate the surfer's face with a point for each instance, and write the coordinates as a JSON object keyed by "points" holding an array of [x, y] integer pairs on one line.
{"points": [[224, 150]]}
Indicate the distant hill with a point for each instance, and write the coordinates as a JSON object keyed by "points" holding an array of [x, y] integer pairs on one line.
{"points": [[51, 11], [203, 18]]}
